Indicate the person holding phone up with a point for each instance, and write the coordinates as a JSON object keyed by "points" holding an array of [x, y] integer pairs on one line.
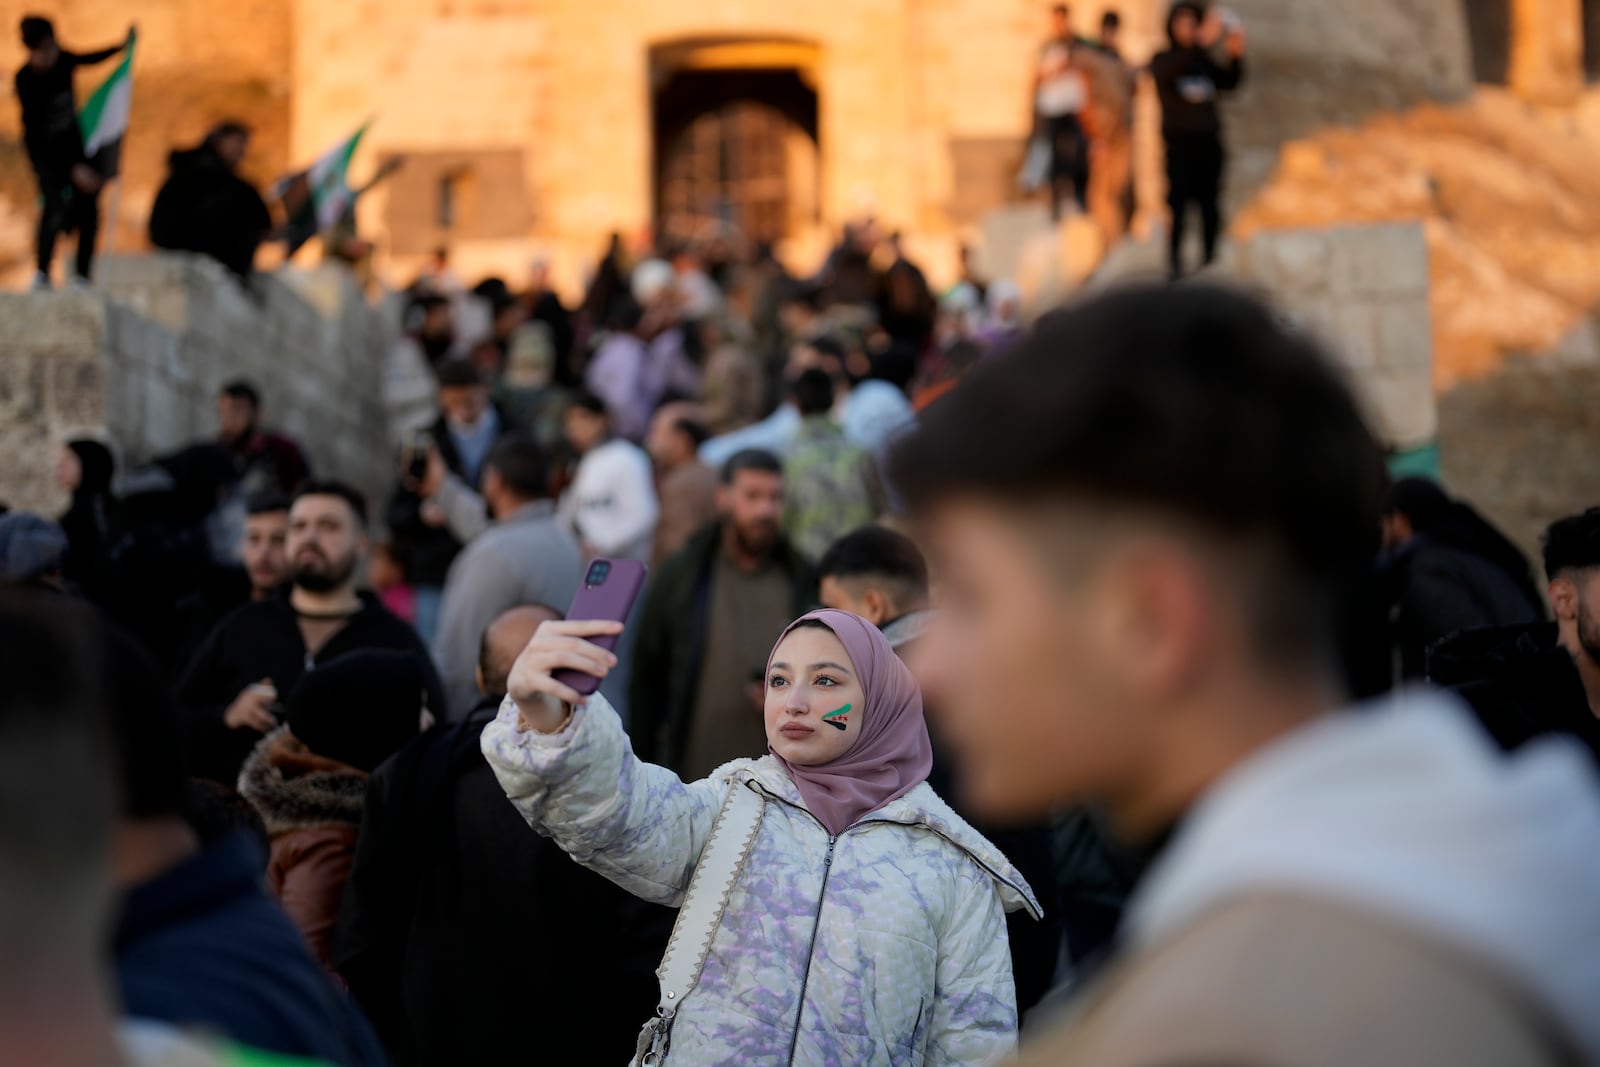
{"points": [[865, 920], [1188, 77]]}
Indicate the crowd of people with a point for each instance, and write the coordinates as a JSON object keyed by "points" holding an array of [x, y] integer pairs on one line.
{"points": [[1081, 145], [1165, 554]]}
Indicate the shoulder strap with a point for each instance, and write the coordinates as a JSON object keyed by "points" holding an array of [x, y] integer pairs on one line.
{"points": [[721, 862]]}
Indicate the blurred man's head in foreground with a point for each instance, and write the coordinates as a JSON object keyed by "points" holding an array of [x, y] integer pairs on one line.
{"points": [[1142, 519]]}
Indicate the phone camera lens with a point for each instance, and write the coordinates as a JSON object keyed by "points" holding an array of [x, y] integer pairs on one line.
{"points": [[598, 572]]}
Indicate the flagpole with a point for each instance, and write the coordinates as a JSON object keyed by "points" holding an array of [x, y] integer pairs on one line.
{"points": [[116, 193]]}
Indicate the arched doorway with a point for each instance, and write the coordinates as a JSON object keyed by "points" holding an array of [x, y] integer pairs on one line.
{"points": [[735, 142], [1489, 33]]}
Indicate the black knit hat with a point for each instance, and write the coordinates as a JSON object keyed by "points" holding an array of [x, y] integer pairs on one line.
{"points": [[359, 708]]}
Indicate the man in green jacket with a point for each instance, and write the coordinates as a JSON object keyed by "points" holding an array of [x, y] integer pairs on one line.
{"points": [[709, 620]]}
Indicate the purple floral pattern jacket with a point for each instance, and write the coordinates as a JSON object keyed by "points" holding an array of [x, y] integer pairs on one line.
{"points": [[885, 945]]}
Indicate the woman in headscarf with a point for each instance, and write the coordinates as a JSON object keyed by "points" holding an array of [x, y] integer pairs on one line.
{"points": [[868, 924], [85, 470]]}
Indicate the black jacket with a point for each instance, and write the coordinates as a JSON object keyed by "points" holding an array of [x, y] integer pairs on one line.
{"points": [[1187, 82], [1438, 591], [1520, 683], [202, 946], [262, 640], [205, 207], [427, 550], [672, 643], [470, 939], [50, 113]]}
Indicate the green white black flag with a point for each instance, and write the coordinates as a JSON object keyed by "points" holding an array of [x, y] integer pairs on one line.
{"points": [[104, 118]]}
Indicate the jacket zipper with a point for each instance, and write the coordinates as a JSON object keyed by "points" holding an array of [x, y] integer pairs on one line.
{"points": [[816, 926]]}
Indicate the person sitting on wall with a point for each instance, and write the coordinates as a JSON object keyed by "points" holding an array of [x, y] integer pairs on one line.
{"points": [[205, 206]]}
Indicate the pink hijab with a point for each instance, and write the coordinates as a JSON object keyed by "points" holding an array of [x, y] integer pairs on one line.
{"points": [[891, 755]]}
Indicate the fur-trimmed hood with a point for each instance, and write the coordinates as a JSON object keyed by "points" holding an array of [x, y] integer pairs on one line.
{"points": [[300, 802]]}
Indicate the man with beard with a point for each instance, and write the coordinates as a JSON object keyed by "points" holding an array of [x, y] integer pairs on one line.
{"points": [[1541, 678], [708, 616], [270, 462], [260, 651]]}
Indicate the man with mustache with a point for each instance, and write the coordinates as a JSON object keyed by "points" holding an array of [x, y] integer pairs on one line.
{"points": [[701, 656], [259, 652]]}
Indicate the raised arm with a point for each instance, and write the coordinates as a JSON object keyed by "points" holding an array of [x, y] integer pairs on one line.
{"points": [[573, 777]]}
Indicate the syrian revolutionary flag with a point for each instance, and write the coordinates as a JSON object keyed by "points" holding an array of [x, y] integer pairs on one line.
{"points": [[104, 119], [317, 197]]}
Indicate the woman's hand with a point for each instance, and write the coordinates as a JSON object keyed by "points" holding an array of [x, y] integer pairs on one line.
{"points": [[541, 700]]}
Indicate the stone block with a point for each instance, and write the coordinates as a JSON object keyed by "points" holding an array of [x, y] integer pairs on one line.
{"points": [[51, 322], [1385, 260], [1405, 335], [22, 389], [1355, 333], [1290, 262], [163, 426], [1401, 406]]}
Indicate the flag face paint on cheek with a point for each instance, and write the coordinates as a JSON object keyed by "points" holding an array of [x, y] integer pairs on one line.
{"points": [[838, 717]]}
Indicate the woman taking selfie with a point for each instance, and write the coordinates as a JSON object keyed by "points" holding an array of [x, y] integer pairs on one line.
{"points": [[865, 921]]}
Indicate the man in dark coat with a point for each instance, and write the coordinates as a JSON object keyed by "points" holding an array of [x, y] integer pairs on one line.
{"points": [[1529, 681], [709, 619], [205, 206], [468, 426], [1188, 79], [441, 863], [258, 654], [1448, 570], [69, 188]]}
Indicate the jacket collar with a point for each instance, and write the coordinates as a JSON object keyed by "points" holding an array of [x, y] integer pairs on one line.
{"points": [[311, 800], [907, 628], [921, 808]]}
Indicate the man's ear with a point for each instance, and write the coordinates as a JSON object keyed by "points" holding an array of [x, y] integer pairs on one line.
{"points": [[1563, 598], [477, 679], [879, 608]]}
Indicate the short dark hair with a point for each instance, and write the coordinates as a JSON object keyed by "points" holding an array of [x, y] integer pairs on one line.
{"points": [[589, 402], [330, 487], [1060, 9], [227, 128], [459, 374], [1194, 401], [1572, 544], [266, 502], [37, 30], [693, 429], [1111, 20], [876, 552], [751, 459], [521, 465], [813, 392], [239, 389]]}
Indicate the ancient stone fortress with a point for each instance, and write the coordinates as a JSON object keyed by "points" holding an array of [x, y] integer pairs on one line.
{"points": [[538, 127]]}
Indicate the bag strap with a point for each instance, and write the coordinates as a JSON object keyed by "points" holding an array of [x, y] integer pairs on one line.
{"points": [[721, 862]]}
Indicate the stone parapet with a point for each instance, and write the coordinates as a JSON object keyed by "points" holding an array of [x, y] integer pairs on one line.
{"points": [[139, 361]]}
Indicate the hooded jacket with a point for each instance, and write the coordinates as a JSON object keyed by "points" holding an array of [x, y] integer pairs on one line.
{"points": [[1382, 887], [1188, 81], [205, 207], [1519, 682], [883, 945], [313, 820]]}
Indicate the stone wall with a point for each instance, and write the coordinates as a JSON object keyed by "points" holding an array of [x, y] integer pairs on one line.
{"points": [[1363, 290], [141, 360]]}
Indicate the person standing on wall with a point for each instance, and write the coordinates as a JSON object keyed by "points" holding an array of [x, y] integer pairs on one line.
{"points": [[1188, 78], [69, 187], [1061, 108]]}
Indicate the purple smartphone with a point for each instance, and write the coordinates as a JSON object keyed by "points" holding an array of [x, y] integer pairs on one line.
{"points": [[610, 586]]}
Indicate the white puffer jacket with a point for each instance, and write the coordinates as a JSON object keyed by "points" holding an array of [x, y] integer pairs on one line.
{"points": [[885, 945]]}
